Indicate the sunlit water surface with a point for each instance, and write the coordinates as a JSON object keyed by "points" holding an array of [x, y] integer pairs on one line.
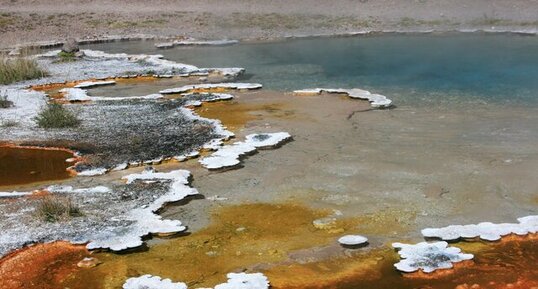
{"points": [[428, 69]]}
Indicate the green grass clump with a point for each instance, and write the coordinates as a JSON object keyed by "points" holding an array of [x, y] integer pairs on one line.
{"points": [[54, 115], [54, 209], [66, 56], [19, 69]]}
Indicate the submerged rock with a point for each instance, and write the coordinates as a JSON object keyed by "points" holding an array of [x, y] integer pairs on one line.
{"points": [[326, 223], [88, 262]]}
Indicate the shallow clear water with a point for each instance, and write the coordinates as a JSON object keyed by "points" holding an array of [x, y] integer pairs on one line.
{"points": [[408, 68]]}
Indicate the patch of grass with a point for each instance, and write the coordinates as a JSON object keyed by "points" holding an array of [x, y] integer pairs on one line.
{"points": [[491, 21], [287, 21], [19, 69], [94, 23], [412, 22], [54, 115], [6, 20], [54, 209], [66, 56], [4, 102], [120, 24], [529, 23]]}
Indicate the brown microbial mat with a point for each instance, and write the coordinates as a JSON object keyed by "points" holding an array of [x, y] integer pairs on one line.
{"points": [[24, 165]]}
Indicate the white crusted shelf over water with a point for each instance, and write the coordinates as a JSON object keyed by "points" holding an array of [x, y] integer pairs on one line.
{"points": [[89, 84], [195, 42], [428, 257], [376, 100], [144, 220], [75, 94], [228, 85], [486, 230], [229, 156]]}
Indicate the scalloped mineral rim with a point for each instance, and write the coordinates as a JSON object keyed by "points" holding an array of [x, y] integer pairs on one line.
{"points": [[267, 140], [89, 84], [227, 156], [75, 94], [93, 172], [212, 97], [428, 257], [157, 60], [245, 281], [152, 282], [376, 100], [228, 85], [195, 42], [352, 240], [145, 220], [230, 155], [235, 281], [78, 94], [486, 230], [58, 189]]}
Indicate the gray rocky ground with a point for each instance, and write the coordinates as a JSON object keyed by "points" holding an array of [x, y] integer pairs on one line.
{"points": [[24, 21], [110, 132]]}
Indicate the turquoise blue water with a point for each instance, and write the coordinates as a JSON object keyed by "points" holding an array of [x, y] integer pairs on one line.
{"points": [[408, 68]]}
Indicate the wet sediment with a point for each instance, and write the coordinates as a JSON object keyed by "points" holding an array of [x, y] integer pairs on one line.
{"points": [[281, 241]]}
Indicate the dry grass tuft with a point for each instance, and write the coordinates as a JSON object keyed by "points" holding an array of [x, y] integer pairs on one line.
{"points": [[54, 209], [19, 69]]}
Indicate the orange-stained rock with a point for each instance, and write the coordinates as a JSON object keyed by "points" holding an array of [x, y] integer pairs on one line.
{"points": [[43, 266], [88, 262]]}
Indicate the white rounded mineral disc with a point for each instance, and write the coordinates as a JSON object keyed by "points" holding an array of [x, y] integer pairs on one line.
{"points": [[352, 240]]}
